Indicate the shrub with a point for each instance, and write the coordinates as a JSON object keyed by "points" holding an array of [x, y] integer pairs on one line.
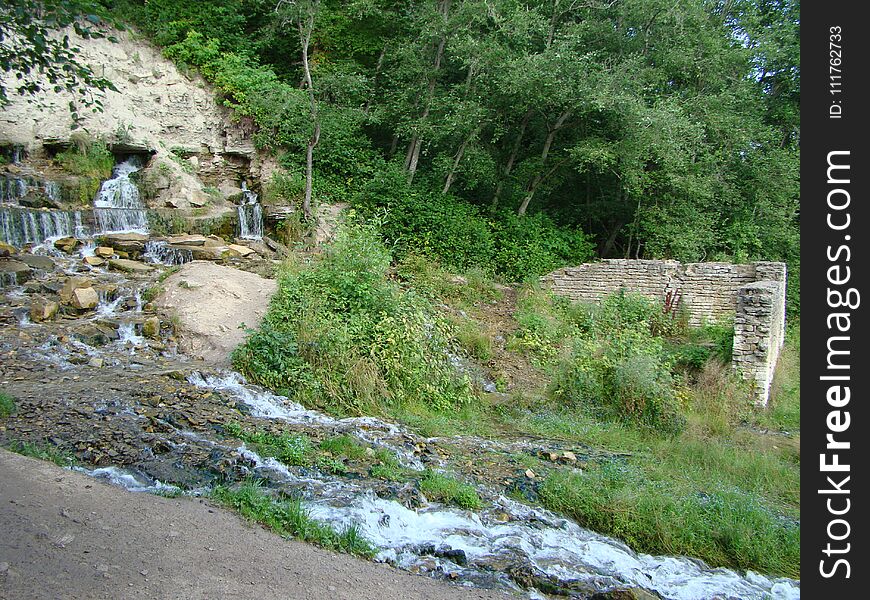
{"points": [[7, 405], [340, 335]]}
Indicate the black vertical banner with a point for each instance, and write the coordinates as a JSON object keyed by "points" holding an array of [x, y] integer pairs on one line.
{"points": [[835, 299]]}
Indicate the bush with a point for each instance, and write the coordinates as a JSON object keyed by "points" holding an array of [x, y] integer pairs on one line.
{"points": [[459, 237], [340, 335], [7, 405]]}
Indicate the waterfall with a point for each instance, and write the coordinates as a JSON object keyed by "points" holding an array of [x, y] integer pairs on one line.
{"points": [[118, 208], [250, 215], [161, 252], [13, 189], [20, 226]]}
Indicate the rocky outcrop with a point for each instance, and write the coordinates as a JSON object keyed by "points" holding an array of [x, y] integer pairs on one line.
{"points": [[213, 305]]}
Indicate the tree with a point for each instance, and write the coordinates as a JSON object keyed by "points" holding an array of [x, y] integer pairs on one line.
{"points": [[31, 50], [303, 14]]}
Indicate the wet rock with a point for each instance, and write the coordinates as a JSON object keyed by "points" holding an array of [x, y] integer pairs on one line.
{"points": [[125, 242], [95, 362], [453, 554], [94, 261], [85, 298], [14, 268], [242, 251], [627, 594], [40, 263], [94, 334], [67, 244], [72, 284], [151, 328], [42, 309], [104, 252], [129, 266], [7, 250], [187, 240]]}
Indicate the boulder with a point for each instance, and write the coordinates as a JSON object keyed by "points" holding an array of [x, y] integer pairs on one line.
{"points": [[67, 244], [187, 240], [151, 328], [104, 252], [7, 250], [633, 593], [242, 251], [13, 271], [202, 252], [84, 298], [129, 266], [126, 242], [72, 284], [40, 263], [42, 309], [94, 261]]}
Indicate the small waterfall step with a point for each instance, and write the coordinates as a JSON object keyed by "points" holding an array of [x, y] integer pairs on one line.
{"points": [[118, 207]]}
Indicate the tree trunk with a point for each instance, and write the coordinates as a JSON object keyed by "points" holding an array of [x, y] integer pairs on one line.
{"points": [[413, 157], [544, 153], [456, 160], [305, 30], [511, 159], [380, 64]]}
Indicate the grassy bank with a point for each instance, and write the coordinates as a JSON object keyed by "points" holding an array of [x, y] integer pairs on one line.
{"points": [[687, 464]]}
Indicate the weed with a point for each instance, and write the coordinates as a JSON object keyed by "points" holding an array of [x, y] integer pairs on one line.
{"points": [[7, 405], [43, 451], [448, 490], [289, 518]]}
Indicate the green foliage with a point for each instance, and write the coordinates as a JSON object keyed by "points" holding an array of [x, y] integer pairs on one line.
{"points": [[460, 237], [91, 161], [721, 526], [339, 334], [441, 488], [289, 518], [294, 450], [43, 451], [7, 405]]}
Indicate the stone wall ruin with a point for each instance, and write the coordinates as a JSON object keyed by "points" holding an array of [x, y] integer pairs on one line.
{"points": [[752, 294]]}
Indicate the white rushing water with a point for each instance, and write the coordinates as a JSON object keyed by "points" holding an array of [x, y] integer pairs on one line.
{"points": [[133, 482], [21, 226], [250, 215], [554, 545], [118, 208]]}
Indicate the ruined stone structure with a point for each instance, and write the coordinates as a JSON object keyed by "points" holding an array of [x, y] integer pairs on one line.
{"points": [[752, 294]]}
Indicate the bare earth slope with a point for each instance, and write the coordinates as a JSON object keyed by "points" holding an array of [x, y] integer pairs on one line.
{"points": [[212, 302], [65, 535]]}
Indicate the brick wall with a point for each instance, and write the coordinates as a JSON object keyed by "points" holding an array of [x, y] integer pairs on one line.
{"points": [[751, 294]]}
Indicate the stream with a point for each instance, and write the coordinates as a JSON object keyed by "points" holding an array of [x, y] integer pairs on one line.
{"points": [[137, 413]]}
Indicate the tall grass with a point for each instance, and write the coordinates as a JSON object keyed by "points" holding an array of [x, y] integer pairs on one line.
{"points": [[340, 335], [289, 518]]}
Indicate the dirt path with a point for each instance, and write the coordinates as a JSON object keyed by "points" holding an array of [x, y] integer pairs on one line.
{"points": [[65, 535]]}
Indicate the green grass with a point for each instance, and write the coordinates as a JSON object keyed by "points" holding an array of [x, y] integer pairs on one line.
{"points": [[43, 452], [721, 524], [295, 450], [7, 405], [290, 519], [442, 488]]}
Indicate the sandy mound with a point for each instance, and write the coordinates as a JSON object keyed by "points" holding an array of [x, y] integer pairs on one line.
{"points": [[213, 305]]}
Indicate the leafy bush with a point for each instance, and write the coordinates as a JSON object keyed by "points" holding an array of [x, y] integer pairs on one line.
{"points": [[457, 235], [91, 161], [7, 405], [338, 334]]}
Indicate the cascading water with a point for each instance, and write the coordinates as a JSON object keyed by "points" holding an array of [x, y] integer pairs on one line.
{"points": [[160, 252], [250, 215], [21, 226], [118, 208], [539, 539]]}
